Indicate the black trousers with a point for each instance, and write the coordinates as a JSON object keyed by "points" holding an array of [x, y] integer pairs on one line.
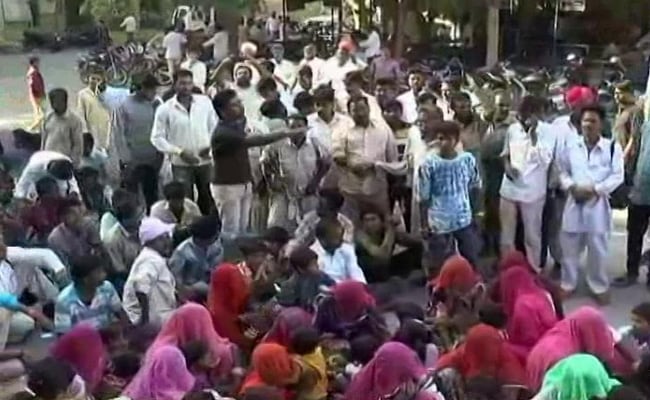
{"points": [[144, 177], [199, 176], [637, 225]]}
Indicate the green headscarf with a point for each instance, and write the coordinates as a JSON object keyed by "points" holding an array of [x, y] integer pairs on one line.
{"points": [[578, 377]]}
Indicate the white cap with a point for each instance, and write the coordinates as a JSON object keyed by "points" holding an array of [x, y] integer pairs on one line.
{"points": [[152, 228]]}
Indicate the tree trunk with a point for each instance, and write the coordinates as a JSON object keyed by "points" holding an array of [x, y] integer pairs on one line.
{"points": [[492, 28], [402, 9]]}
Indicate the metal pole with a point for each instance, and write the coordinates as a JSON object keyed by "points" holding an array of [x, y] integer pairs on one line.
{"points": [[555, 27], [284, 19]]}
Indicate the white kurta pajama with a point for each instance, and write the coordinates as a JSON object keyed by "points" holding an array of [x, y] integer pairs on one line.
{"points": [[588, 225]]}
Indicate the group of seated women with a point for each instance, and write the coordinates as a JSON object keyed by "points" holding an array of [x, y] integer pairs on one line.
{"points": [[502, 339]]}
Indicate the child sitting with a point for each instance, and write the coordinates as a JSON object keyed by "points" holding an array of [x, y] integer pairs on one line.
{"points": [[199, 363], [42, 217], [306, 281], [122, 369], [313, 383], [51, 379], [92, 156], [96, 195]]}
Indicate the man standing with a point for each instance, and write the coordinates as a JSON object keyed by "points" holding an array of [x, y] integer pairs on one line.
{"points": [[219, 43], [356, 149], [590, 169], [285, 71], [527, 156], [311, 59], [131, 149], [94, 113], [629, 120], [231, 183], [130, 26], [62, 129], [182, 128], [197, 68], [408, 99], [492, 167], [36, 89], [273, 26], [173, 43]]}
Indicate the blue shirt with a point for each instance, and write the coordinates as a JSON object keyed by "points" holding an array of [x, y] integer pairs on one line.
{"points": [[445, 185], [70, 310], [191, 263]]}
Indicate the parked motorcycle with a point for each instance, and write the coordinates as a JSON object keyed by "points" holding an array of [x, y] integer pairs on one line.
{"points": [[33, 39]]}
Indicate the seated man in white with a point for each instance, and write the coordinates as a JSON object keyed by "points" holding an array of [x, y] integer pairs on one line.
{"points": [[336, 258]]}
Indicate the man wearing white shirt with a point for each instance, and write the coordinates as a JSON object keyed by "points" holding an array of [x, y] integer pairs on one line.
{"points": [[527, 155], [335, 258], [337, 67], [181, 130], [372, 45], [173, 43], [408, 99], [273, 26], [314, 62], [197, 68], [285, 70], [130, 26], [46, 163], [590, 170], [219, 43]]}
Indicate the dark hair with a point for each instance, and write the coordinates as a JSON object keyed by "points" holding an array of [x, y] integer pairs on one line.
{"points": [[198, 395], [262, 393], [49, 377], [56, 92], [333, 197], [304, 340], [266, 85], [625, 392], [276, 234], [182, 73], [363, 348], [324, 94], [250, 246], [354, 77], [357, 99], [174, 190], [61, 169], [273, 109], [148, 81], [193, 351], [66, 205], [642, 310], [301, 257], [386, 82], [594, 108], [326, 227], [531, 105], [492, 314], [370, 209], [447, 128], [140, 337], [424, 97], [268, 65], [459, 97], [126, 364], [46, 185], [303, 100], [222, 99], [298, 117], [305, 70], [407, 310], [483, 387], [415, 335], [394, 105], [33, 60], [124, 204], [81, 267], [206, 227]]}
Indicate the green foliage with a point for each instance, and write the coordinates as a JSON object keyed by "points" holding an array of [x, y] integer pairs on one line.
{"points": [[111, 11]]}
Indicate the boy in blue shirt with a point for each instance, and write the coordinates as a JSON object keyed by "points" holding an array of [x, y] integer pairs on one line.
{"points": [[446, 180]]}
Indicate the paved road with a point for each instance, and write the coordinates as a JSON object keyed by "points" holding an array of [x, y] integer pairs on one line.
{"points": [[59, 70]]}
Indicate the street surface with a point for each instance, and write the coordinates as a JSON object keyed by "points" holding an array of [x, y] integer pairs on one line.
{"points": [[59, 71]]}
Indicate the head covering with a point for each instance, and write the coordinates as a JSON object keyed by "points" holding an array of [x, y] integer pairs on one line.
{"points": [[227, 300], [352, 300], [485, 353], [164, 376], [583, 331], [273, 363], [286, 323], [513, 258], [513, 283], [578, 377], [393, 365], [457, 274], [192, 322], [83, 349], [152, 228], [579, 96], [346, 44]]}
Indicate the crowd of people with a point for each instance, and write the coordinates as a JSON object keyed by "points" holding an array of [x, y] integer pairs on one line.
{"points": [[246, 235]]}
